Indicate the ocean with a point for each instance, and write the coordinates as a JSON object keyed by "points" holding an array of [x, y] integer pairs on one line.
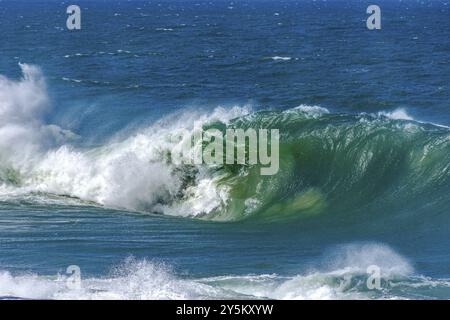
{"points": [[91, 207]]}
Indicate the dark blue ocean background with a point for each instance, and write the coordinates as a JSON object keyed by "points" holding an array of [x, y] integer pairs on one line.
{"points": [[136, 62]]}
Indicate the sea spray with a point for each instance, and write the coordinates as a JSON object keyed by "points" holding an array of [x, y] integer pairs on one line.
{"points": [[143, 279]]}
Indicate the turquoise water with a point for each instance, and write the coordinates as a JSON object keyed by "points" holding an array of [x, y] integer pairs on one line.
{"points": [[87, 117]]}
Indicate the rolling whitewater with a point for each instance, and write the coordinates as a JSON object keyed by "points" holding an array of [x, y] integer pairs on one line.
{"points": [[87, 127]]}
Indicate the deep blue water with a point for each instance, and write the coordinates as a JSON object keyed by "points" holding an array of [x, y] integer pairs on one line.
{"points": [[366, 154]]}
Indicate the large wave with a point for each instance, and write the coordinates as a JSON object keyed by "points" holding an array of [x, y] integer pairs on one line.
{"points": [[329, 163]]}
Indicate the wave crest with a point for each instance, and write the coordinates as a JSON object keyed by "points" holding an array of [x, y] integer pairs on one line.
{"points": [[329, 163]]}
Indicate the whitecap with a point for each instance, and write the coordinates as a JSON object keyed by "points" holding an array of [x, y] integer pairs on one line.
{"points": [[279, 58]]}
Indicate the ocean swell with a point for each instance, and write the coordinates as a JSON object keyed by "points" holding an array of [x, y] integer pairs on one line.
{"points": [[329, 163]]}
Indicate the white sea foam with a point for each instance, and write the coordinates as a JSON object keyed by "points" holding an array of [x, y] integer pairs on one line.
{"points": [[313, 112], [149, 280], [23, 105], [397, 114], [358, 257], [278, 58], [135, 280], [130, 172], [333, 280], [402, 114]]}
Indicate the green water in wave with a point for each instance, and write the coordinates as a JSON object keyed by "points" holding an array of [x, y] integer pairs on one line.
{"points": [[335, 164]]}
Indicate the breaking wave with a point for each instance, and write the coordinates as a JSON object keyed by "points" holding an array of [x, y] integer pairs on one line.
{"points": [[329, 163], [345, 278]]}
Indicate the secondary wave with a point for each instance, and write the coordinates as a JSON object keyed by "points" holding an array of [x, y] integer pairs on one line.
{"points": [[345, 278]]}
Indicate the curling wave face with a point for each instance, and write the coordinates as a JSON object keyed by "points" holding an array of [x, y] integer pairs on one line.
{"points": [[329, 163]]}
